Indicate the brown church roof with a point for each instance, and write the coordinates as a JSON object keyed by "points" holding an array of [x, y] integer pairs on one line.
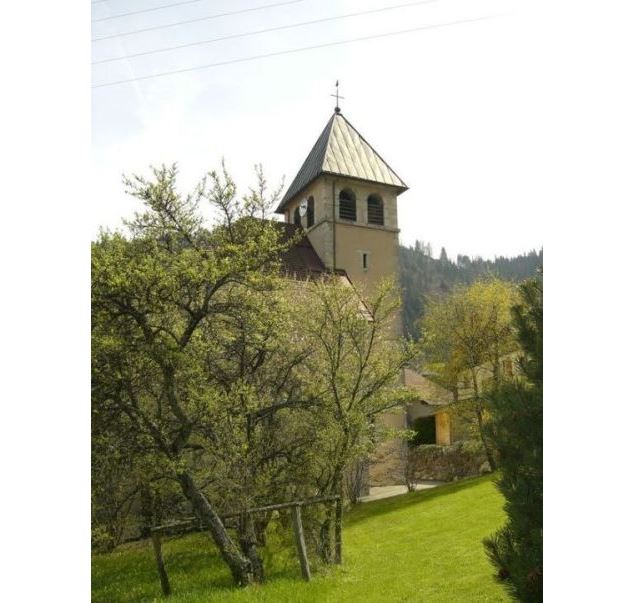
{"points": [[301, 260]]}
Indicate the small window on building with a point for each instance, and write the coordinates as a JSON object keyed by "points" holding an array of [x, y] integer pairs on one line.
{"points": [[375, 210], [296, 217], [348, 205], [310, 213], [364, 261]]}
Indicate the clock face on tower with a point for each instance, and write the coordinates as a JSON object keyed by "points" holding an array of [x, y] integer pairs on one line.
{"points": [[304, 204]]}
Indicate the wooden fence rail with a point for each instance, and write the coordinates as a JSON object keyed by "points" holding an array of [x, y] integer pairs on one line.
{"points": [[298, 531]]}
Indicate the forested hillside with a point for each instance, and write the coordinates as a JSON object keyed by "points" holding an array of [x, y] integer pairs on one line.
{"points": [[423, 275]]}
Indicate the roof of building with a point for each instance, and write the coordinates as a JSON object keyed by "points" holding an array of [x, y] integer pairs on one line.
{"points": [[431, 392], [300, 259], [341, 150], [301, 263]]}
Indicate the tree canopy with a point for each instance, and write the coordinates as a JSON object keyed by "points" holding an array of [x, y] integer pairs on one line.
{"points": [[217, 380], [423, 276], [465, 335]]}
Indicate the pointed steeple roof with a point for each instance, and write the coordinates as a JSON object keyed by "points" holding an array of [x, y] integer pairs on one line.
{"points": [[342, 151]]}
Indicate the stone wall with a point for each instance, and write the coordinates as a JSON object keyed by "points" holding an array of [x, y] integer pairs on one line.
{"points": [[446, 463]]}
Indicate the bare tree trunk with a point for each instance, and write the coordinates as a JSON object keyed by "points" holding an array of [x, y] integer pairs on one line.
{"points": [[249, 546], [239, 565], [496, 368], [260, 528], [326, 537], [410, 474], [338, 529], [356, 477], [481, 431], [327, 548], [488, 452], [147, 516]]}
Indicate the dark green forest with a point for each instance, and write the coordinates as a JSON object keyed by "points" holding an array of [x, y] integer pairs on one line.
{"points": [[423, 275]]}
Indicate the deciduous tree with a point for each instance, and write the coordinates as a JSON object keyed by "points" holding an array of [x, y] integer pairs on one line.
{"points": [[466, 333], [354, 372], [157, 294]]}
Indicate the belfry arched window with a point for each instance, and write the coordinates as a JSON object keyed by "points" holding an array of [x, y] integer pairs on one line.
{"points": [[348, 205], [310, 212], [375, 210], [297, 220]]}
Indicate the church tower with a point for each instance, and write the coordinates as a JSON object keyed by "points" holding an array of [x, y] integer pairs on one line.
{"points": [[345, 197]]}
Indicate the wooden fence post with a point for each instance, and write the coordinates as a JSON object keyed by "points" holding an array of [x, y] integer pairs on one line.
{"points": [[163, 576], [296, 514]]}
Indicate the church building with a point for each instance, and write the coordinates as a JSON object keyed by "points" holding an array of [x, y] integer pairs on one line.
{"points": [[344, 198]]}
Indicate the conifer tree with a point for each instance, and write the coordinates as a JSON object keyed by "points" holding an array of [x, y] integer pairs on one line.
{"points": [[516, 430]]}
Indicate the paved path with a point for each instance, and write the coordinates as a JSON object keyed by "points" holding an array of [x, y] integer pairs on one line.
{"points": [[379, 492]]}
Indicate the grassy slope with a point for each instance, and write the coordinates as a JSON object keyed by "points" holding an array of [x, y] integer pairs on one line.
{"points": [[424, 546]]}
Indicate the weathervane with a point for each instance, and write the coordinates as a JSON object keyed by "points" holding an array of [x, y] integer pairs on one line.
{"points": [[337, 96]]}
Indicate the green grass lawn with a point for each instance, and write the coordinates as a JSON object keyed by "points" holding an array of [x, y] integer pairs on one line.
{"points": [[423, 546]]}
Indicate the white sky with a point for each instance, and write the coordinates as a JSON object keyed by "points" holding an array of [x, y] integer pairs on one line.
{"points": [[451, 109]]}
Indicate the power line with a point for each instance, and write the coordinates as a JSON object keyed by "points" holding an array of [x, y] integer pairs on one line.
{"points": [[262, 31], [295, 50], [216, 16], [145, 10]]}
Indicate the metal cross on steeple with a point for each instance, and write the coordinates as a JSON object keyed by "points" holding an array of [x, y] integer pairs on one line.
{"points": [[337, 96]]}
